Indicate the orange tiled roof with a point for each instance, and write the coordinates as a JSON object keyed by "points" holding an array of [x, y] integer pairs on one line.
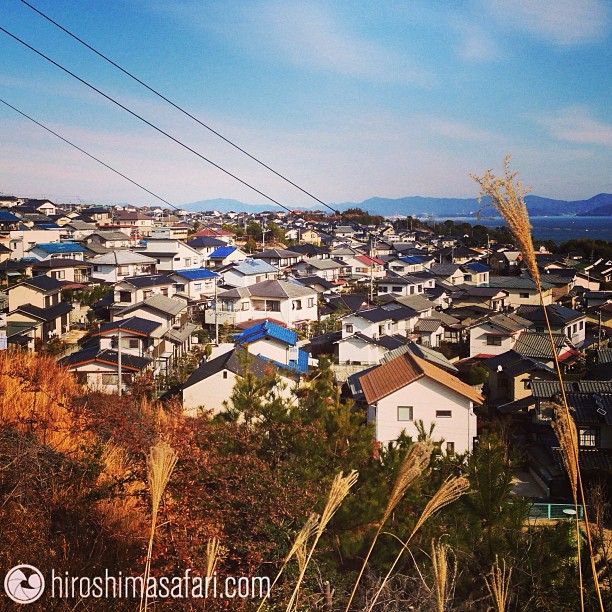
{"points": [[405, 369]]}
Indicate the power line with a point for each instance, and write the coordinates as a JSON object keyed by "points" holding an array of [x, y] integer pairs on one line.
{"points": [[181, 109], [179, 142], [127, 178], [146, 121]]}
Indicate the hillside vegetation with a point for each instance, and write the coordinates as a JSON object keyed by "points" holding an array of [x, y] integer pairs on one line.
{"points": [[74, 497]]}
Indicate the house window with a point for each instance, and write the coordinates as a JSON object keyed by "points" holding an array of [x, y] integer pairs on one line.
{"points": [[273, 306], [444, 414], [109, 379], [123, 270], [96, 268], [311, 302], [494, 340], [575, 328], [450, 448], [224, 373], [197, 287], [404, 413], [59, 274], [125, 296], [297, 304], [411, 289], [133, 343], [187, 261], [588, 437], [348, 329], [147, 294], [245, 305], [396, 289], [524, 296], [382, 289], [581, 325]]}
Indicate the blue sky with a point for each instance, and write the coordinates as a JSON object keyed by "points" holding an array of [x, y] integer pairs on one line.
{"points": [[348, 99]]}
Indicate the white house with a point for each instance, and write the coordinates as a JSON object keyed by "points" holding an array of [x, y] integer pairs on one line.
{"points": [[197, 284], [496, 335], [171, 254], [290, 303], [116, 266], [408, 389], [248, 272], [211, 384]]}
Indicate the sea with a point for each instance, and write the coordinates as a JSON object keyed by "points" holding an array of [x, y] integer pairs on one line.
{"points": [[558, 229]]}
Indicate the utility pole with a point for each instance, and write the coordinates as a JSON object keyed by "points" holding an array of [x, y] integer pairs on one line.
{"points": [[216, 317], [119, 381], [599, 330], [372, 246]]}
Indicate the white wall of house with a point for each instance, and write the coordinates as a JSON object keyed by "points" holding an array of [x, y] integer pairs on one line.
{"points": [[431, 402], [484, 341], [353, 324], [576, 331], [211, 392], [530, 297], [23, 240], [233, 278], [355, 350]]}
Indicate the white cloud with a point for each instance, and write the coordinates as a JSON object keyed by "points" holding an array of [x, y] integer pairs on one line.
{"points": [[475, 44], [562, 22], [576, 124], [304, 35]]}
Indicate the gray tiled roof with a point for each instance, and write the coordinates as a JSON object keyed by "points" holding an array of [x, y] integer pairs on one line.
{"points": [[269, 288]]}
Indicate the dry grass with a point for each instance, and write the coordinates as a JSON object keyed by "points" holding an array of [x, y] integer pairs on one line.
{"points": [[440, 552], [507, 197], [451, 490], [121, 515], [414, 462], [35, 398], [298, 550], [160, 463], [340, 488], [498, 583]]}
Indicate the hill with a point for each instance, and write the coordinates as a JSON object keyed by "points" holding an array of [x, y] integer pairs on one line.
{"points": [[420, 205]]}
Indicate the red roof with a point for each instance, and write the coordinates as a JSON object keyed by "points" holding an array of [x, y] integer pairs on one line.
{"points": [[366, 259]]}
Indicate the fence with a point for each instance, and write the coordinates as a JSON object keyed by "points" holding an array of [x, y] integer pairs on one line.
{"points": [[554, 512]]}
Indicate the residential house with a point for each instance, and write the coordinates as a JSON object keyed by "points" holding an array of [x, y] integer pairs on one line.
{"points": [[67, 270], [276, 344], [248, 272], [205, 245], [22, 240], [109, 239], [408, 390], [359, 349], [139, 223], [279, 258], [522, 290], [487, 298], [170, 254], [224, 256], [52, 250], [496, 334], [290, 303], [99, 368], [400, 285], [563, 320], [36, 303], [197, 284], [328, 269], [116, 266], [135, 289], [210, 386]]}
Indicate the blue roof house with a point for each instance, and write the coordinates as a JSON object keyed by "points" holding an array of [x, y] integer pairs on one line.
{"points": [[54, 250], [276, 344], [196, 283], [224, 255]]}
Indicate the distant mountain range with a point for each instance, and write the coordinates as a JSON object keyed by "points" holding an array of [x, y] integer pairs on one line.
{"points": [[600, 204]]}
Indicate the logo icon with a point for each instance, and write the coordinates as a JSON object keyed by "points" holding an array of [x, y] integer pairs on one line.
{"points": [[24, 584]]}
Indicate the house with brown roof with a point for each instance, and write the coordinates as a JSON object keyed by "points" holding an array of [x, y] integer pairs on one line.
{"points": [[408, 389]]}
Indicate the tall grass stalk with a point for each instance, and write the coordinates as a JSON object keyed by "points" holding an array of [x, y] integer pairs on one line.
{"points": [[498, 584], [440, 552], [298, 550], [414, 462], [508, 198], [160, 463], [340, 488], [451, 490]]}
